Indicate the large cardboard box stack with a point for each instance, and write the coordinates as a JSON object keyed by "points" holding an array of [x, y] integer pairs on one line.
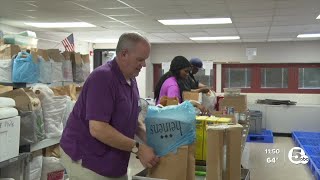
{"points": [[239, 103], [224, 152], [202, 123]]}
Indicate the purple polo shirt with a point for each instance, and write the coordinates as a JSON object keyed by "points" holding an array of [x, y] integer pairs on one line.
{"points": [[106, 97]]}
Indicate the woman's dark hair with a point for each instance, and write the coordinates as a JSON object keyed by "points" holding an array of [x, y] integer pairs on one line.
{"points": [[178, 63]]}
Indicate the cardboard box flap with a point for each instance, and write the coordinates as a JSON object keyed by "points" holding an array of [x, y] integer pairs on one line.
{"points": [[44, 54], [239, 103], [188, 95], [67, 55], [8, 50], [55, 55], [85, 58], [76, 58], [25, 100]]}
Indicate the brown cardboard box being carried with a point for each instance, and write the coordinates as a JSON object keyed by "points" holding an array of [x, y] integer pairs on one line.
{"points": [[239, 103], [7, 51], [25, 99], [187, 95], [224, 150]]}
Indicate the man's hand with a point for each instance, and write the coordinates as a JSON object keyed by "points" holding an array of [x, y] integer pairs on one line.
{"points": [[147, 156]]}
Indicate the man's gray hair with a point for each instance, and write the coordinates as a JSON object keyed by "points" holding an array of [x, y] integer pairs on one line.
{"points": [[129, 40]]}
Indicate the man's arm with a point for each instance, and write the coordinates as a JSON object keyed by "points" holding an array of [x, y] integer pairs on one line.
{"points": [[110, 136], [201, 85], [105, 133], [141, 132]]}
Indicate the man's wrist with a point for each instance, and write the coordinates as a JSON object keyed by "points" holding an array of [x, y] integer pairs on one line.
{"points": [[135, 148]]}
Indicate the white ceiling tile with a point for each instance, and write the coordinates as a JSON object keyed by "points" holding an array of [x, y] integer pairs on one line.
{"points": [[280, 39], [252, 24], [252, 19], [252, 13], [253, 30], [195, 34], [222, 32], [254, 40]]}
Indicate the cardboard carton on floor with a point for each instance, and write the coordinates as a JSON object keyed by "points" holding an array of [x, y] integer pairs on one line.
{"points": [[239, 103], [224, 150]]}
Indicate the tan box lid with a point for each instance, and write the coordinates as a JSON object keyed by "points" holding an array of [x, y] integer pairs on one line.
{"points": [[85, 58], [55, 55], [8, 50], [44, 54]]}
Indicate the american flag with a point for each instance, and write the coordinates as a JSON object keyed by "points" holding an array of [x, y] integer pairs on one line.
{"points": [[68, 43]]}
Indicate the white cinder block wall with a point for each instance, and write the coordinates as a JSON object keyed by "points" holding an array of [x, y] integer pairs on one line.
{"points": [[269, 52]]}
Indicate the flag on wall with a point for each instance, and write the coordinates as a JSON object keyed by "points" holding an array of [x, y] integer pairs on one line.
{"points": [[68, 43]]}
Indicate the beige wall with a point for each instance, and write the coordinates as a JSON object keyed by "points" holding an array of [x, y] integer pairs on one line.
{"points": [[270, 52]]}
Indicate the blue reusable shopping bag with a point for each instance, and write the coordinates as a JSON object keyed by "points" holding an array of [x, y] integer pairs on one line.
{"points": [[170, 127], [24, 69]]}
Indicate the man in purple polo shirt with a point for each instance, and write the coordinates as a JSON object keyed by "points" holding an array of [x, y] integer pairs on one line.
{"points": [[99, 135]]}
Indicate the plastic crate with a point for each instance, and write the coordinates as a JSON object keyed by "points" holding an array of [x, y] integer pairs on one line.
{"points": [[312, 150], [265, 137], [308, 142], [317, 174], [302, 134], [314, 165]]}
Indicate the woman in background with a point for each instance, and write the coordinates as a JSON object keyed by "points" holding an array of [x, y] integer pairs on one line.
{"points": [[171, 83]]}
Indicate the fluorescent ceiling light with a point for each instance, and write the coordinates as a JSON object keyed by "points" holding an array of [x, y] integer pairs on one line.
{"points": [[218, 38], [104, 41], [196, 21], [318, 17], [61, 25], [308, 35]]}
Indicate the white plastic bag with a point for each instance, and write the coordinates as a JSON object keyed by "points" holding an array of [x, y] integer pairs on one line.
{"points": [[8, 112], [6, 71], [70, 104], [53, 108], [67, 71], [52, 169], [7, 102], [45, 71], [57, 74], [86, 70], [36, 168], [209, 100]]}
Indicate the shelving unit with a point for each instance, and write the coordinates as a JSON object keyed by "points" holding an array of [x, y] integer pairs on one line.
{"points": [[44, 144]]}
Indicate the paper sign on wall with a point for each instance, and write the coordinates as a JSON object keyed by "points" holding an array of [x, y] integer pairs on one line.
{"points": [[207, 65], [165, 66]]}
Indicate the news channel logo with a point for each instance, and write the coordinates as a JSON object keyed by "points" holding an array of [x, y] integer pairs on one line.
{"points": [[297, 156]]}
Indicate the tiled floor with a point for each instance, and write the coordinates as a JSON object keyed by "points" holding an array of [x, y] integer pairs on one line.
{"points": [[255, 158]]}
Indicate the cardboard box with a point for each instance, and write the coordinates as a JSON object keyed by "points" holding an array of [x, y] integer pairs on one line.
{"points": [[224, 150], [85, 58], [187, 95], [9, 138], [200, 129], [44, 54], [25, 99], [239, 103], [55, 55], [53, 151], [4, 89], [8, 51], [201, 135]]}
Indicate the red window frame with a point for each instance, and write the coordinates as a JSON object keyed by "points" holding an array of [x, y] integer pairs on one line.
{"points": [[157, 68], [293, 75]]}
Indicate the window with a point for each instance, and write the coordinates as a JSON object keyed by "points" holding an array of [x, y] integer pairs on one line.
{"points": [[309, 78], [208, 80], [238, 78], [274, 77]]}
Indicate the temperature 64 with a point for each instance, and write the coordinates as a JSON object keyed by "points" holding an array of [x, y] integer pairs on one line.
{"points": [[272, 160]]}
